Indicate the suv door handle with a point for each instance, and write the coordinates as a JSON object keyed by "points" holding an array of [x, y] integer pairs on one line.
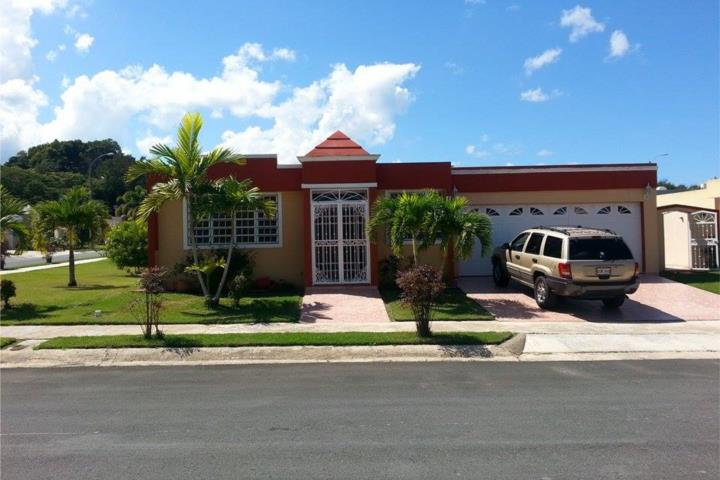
{"points": [[534, 260], [517, 257]]}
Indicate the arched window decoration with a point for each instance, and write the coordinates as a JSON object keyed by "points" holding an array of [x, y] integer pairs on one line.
{"points": [[536, 211], [580, 211], [560, 211], [604, 210], [623, 210], [516, 212], [336, 196], [704, 217], [491, 212]]}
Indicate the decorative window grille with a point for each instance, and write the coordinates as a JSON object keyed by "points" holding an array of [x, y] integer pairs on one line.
{"points": [[623, 210], [604, 210], [516, 212], [252, 227], [536, 211], [491, 212], [580, 211], [560, 211]]}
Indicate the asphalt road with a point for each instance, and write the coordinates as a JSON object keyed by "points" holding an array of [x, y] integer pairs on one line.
{"points": [[640, 420], [18, 261]]}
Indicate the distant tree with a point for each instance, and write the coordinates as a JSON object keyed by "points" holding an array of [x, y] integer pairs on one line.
{"points": [[12, 221], [681, 187], [82, 219], [7, 291], [128, 202], [126, 245], [32, 186]]}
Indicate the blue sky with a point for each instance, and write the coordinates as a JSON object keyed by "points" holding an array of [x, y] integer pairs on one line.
{"points": [[472, 82]]}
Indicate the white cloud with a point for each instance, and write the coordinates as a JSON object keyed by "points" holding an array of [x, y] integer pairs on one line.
{"points": [[51, 55], [546, 58], [619, 44], [130, 103], [65, 82], [470, 149], [144, 144], [545, 153], [496, 150], [534, 95], [454, 68], [16, 40], [581, 22], [284, 54], [83, 42]]}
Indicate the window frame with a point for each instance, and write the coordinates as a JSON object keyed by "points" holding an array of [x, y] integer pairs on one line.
{"points": [[213, 246], [540, 245], [562, 246], [527, 237]]}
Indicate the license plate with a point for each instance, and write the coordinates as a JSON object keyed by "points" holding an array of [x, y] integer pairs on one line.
{"points": [[602, 271]]}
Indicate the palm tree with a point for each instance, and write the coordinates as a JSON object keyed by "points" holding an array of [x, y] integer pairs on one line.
{"points": [[457, 227], [183, 172], [406, 217], [83, 220], [230, 196], [11, 221]]}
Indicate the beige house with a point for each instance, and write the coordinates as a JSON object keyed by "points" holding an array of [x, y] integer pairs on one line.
{"points": [[688, 228], [319, 234]]}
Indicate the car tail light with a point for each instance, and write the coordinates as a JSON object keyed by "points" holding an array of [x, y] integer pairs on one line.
{"points": [[564, 270], [637, 269]]}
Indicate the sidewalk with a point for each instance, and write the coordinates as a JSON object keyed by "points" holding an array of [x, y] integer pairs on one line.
{"points": [[48, 266]]}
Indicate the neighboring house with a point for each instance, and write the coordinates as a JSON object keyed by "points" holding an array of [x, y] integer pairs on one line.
{"points": [[688, 227], [319, 235]]}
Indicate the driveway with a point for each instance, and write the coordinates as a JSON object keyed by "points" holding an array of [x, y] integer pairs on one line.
{"points": [[657, 300]]}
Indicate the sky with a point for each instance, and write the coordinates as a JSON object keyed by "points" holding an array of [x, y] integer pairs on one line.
{"points": [[477, 83]]}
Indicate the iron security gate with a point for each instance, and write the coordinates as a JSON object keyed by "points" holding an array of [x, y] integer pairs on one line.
{"points": [[339, 237], [704, 240]]}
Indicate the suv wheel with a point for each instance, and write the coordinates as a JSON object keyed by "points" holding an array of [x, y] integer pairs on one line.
{"points": [[614, 302], [543, 296], [500, 275]]}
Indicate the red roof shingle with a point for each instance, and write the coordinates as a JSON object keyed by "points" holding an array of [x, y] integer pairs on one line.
{"points": [[338, 145]]}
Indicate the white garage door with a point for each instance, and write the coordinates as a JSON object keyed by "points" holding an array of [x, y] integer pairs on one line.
{"points": [[509, 220]]}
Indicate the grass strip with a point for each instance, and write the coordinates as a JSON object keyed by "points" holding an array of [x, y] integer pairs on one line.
{"points": [[276, 340], [5, 341], [454, 305], [709, 281]]}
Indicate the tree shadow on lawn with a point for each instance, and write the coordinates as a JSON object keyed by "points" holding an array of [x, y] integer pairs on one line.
{"points": [[28, 311], [96, 286], [261, 310]]}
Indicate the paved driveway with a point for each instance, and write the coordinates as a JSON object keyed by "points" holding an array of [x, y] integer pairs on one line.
{"points": [[657, 300]]}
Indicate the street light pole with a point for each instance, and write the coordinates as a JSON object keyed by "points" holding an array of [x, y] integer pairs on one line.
{"points": [[89, 175]]}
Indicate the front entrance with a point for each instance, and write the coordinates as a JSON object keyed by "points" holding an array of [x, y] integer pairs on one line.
{"points": [[339, 237]]}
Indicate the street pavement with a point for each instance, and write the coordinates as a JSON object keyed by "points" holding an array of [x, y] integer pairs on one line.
{"points": [[31, 259], [594, 420]]}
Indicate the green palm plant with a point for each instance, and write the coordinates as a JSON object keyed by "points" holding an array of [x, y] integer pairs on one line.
{"points": [[457, 227], [83, 219], [182, 170], [12, 221], [406, 217], [230, 196]]}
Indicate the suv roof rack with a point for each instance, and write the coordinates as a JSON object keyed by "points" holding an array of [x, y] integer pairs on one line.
{"points": [[579, 229]]}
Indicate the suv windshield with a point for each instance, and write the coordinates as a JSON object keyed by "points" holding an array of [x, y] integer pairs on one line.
{"points": [[599, 249]]}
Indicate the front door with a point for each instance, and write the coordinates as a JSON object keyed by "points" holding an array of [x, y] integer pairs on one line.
{"points": [[339, 237]]}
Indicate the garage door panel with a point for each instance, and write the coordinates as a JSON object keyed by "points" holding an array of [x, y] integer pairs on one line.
{"points": [[509, 220]]}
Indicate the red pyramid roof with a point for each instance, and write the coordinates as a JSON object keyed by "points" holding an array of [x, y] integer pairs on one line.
{"points": [[338, 145]]}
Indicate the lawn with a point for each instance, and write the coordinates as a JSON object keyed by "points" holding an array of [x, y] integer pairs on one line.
{"points": [[5, 341], [709, 281], [44, 299], [453, 306], [277, 340]]}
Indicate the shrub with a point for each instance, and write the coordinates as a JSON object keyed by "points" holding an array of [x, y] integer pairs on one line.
{"points": [[421, 285], [237, 288], [147, 310], [127, 245], [7, 291], [388, 270], [241, 262]]}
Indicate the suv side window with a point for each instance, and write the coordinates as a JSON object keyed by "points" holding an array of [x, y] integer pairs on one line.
{"points": [[533, 245], [519, 242], [553, 247]]}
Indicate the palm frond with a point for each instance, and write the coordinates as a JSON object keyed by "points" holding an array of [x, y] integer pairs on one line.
{"points": [[160, 194]]}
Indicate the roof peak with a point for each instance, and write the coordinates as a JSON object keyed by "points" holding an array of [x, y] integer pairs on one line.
{"points": [[338, 145]]}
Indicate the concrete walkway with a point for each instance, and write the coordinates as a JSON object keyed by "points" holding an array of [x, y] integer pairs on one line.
{"points": [[340, 305], [49, 266]]}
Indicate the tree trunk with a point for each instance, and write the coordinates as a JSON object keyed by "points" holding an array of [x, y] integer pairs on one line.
{"points": [[414, 252], [223, 279], [193, 246], [71, 264]]}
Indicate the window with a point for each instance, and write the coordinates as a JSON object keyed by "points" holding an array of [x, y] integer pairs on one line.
{"points": [[533, 245], [623, 210], [516, 212], [536, 211], [251, 227], [560, 211], [553, 247], [491, 212], [604, 210], [610, 248], [519, 242], [580, 211]]}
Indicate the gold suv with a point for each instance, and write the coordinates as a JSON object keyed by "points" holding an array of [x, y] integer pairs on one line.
{"points": [[577, 262]]}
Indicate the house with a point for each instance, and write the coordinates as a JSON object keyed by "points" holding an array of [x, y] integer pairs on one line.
{"points": [[319, 236], [688, 227]]}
